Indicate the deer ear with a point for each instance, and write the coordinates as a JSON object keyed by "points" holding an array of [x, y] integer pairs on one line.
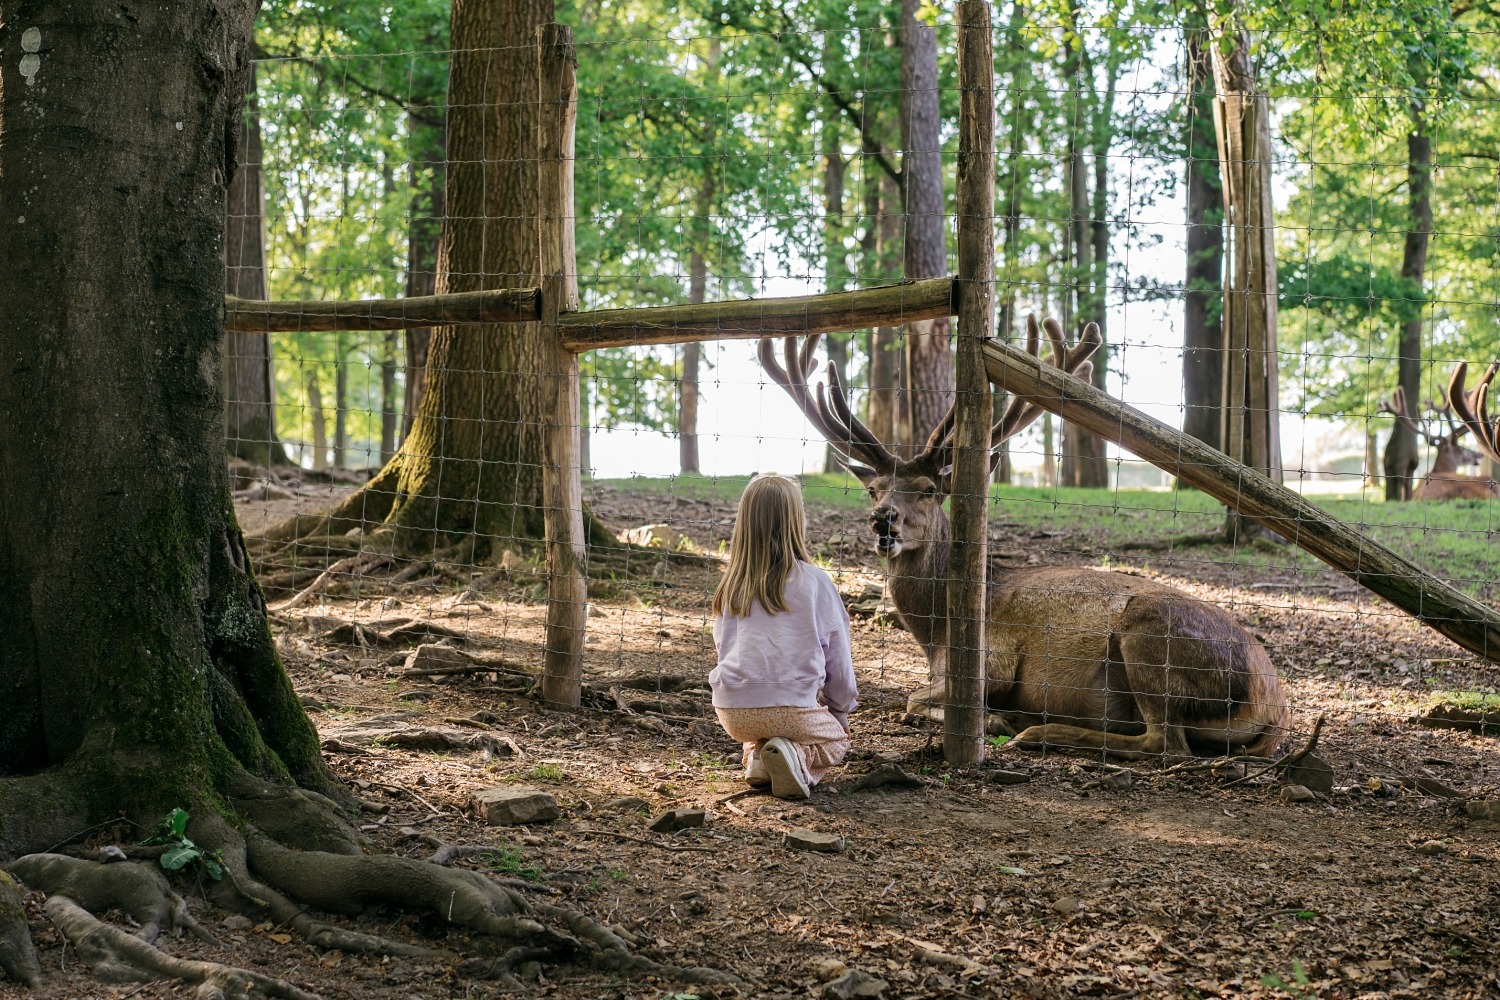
{"points": [[945, 480]]}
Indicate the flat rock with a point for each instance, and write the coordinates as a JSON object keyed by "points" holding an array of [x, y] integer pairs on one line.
{"points": [[1003, 777], [1432, 847], [431, 655], [856, 985], [510, 805], [236, 922], [1066, 905], [812, 840], [1312, 772], [828, 969], [678, 819], [1297, 793], [1483, 809]]}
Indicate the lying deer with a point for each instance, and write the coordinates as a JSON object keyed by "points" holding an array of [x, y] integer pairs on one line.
{"points": [[1076, 657], [1444, 481]]}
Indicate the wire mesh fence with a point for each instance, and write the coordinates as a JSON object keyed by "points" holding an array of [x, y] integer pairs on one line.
{"points": [[391, 485]]}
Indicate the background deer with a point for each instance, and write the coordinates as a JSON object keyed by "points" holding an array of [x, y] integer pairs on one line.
{"points": [[1444, 481], [1076, 657]]}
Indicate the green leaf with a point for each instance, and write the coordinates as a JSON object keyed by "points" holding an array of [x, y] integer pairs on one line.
{"points": [[1011, 871], [213, 868], [175, 825], [177, 857]]}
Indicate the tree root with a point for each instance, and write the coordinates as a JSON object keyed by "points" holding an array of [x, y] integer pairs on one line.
{"points": [[115, 956], [138, 889], [18, 959]]}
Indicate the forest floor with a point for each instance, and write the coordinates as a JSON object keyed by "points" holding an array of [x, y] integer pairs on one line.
{"points": [[1085, 880]]}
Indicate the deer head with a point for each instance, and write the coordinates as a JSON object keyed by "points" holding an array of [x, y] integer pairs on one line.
{"points": [[907, 494], [1450, 454], [1472, 407]]}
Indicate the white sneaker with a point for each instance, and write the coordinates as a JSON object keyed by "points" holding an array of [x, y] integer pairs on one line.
{"points": [[755, 771], [784, 765]]}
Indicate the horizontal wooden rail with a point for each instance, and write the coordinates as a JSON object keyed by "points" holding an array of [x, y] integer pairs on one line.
{"points": [[1436, 604], [749, 319], [503, 305], [743, 319]]}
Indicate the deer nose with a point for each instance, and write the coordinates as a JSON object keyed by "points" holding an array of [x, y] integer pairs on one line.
{"points": [[883, 520]]}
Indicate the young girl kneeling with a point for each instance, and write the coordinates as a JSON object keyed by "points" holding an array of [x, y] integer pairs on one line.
{"points": [[784, 685]]}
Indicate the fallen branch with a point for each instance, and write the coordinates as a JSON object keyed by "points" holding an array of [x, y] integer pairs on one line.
{"points": [[1285, 762]]}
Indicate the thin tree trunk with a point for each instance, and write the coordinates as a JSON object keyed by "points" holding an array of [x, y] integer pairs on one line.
{"points": [[1401, 448], [887, 359], [929, 353], [319, 421], [687, 416], [388, 396], [1252, 425], [1049, 453], [340, 406], [835, 269], [424, 232], [249, 385], [1010, 186], [1372, 460], [1203, 330]]}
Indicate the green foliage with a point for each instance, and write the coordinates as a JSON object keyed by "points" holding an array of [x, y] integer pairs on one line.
{"points": [[1297, 987], [181, 852]]}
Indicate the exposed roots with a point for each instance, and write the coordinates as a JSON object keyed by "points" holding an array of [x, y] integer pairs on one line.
{"points": [[18, 960], [115, 956], [139, 890]]}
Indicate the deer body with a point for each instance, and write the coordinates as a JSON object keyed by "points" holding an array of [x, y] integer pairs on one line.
{"points": [[1076, 657], [1444, 481]]}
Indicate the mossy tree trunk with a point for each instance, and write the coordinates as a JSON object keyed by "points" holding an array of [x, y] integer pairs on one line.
{"points": [[138, 667]]}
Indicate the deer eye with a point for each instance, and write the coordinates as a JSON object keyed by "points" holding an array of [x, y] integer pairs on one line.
{"points": [[929, 491]]}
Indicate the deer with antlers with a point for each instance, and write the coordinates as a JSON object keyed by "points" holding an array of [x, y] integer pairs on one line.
{"points": [[1444, 481], [1076, 657]]}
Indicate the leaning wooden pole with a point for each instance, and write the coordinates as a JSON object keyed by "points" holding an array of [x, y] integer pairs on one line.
{"points": [[562, 486], [1439, 606], [964, 700]]}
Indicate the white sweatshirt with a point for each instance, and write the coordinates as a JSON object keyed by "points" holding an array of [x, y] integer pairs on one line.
{"points": [[799, 658]]}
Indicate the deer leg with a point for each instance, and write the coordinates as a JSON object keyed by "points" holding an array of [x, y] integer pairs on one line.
{"points": [[927, 703]]}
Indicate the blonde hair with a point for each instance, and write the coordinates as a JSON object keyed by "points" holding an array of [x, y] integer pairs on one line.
{"points": [[769, 539]]}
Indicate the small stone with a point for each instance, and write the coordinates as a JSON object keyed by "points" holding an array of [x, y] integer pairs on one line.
{"points": [[237, 922], [529, 972], [1311, 772], [626, 803], [812, 840], [1432, 847], [1109, 884], [1297, 793], [596, 612], [654, 536], [1483, 809], [430, 655], [678, 819], [978, 904], [1067, 905], [828, 969], [887, 756], [856, 985], [1007, 777], [508, 806]]}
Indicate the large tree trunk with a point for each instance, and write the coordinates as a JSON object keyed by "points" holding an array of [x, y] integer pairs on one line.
{"points": [[137, 664], [1202, 329], [929, 355], [687, 412], [1401, 454], [472, 464], [1252, 417], [249, 387]]}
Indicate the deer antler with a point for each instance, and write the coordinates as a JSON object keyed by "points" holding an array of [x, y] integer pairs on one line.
{"points": [[1472, 407], [851, 438], [1019, 414], [1444, 409], [1397, 408]]}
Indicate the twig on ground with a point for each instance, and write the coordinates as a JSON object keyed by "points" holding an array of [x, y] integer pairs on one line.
{"points": [[1285, 762], [649, 843]]}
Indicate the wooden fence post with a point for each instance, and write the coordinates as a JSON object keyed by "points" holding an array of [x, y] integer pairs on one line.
{"points": [[562, 487], [964, 702]]}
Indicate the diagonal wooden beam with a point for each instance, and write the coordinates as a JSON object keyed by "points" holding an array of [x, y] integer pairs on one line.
{"points": [[1434, 602]]}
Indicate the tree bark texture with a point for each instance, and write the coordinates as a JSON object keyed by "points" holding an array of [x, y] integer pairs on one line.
{"points": [[929, 354], [1252, 424], [835, 268], [388, 396], [887, 356], [473, 460], [249, 387], [340, 406], [1202, 300], [964, 703], [1401, 453], [137, 664], [317, 416], [692, 356]]}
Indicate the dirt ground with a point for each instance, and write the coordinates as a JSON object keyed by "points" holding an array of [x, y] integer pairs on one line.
{"points": [[1086, 880]]}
